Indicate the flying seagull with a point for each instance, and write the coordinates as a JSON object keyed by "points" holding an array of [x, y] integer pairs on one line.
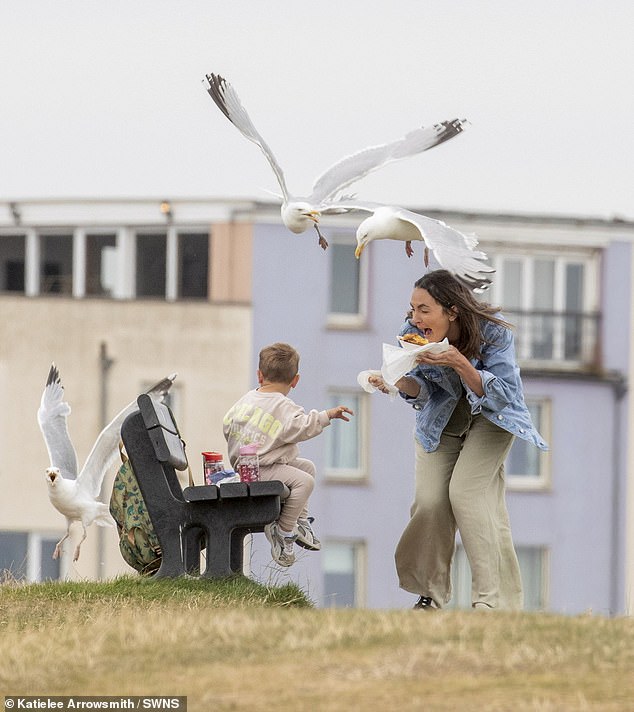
{"points": [[453, 250], [298, 214], [72, 494]]}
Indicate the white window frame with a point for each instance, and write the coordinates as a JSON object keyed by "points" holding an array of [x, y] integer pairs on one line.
{"points": [[561, 257], [340, 475], [360, 570], [125, 245], [542, 481], [34, 554], [357, 320], [461, 578]]}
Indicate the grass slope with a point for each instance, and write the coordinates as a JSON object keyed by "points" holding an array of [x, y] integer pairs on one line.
{"points": [[238, 645]]}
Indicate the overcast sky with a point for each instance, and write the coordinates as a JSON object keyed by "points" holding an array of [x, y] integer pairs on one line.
{"points": [[103, 98]]}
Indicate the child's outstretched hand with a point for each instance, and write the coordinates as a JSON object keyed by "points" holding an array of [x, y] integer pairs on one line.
{"points": [[339, 412]]}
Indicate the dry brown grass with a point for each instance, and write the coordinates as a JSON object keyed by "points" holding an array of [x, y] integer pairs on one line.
{"points": [[256, 656]]}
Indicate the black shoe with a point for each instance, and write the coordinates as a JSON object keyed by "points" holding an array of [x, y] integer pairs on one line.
{"points": [[424, 603]]}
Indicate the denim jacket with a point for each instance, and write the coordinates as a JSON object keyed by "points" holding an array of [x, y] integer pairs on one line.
{"points": [[503, 400]]}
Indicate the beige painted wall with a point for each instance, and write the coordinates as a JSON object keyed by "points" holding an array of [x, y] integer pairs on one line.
{"points": [[208, 345]]}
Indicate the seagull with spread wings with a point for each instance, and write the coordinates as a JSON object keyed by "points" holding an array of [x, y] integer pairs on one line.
{"points": [[74, 494], [454, 250], [298, 214]]}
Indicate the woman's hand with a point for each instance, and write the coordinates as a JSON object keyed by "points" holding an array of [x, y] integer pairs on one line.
{"points": [[378, 382], [461, 365], [406, 385], [450, 357]]}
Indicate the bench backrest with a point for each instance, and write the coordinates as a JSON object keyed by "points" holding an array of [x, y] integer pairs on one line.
{"points": [[163, 433]]}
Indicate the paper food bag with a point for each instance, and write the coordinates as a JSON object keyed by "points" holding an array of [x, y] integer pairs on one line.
{"points": [[397, 360], [363, 379]]}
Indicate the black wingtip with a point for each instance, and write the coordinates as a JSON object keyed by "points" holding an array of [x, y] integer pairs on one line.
{"points": [[216, 89], [53, 375], [449, 129]]}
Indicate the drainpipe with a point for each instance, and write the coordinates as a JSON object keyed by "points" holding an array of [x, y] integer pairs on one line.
{"points": [[105, 364], [629, 466], [616, 543]]}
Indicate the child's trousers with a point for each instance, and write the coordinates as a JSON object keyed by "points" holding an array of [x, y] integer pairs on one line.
{"points": [[299, 476], [461, 485]]}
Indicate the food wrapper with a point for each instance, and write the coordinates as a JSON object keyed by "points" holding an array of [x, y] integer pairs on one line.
{"points": [[364, 382], [398, 360]]}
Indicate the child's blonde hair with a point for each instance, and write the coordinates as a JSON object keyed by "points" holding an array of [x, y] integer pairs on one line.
{"points": [[279, 363]]}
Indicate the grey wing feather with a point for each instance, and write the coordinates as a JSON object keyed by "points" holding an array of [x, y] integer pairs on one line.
{"points": [[51, 417], [347, 205], [454, 250], [354, 167], [227, 100], [105, 451]]}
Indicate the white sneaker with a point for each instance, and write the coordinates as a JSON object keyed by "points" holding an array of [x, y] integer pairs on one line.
{"points": [[281, 546], [306, 536]]}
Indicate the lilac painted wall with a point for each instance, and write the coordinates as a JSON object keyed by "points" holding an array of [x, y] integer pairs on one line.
{"points": [[575, 520]]}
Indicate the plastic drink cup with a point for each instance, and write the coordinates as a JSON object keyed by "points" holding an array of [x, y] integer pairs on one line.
{"points": [[212, 464], [248, 463]]}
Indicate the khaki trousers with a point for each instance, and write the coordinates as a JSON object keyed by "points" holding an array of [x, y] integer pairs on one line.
{"points": [[299, 476], [461, 486]]}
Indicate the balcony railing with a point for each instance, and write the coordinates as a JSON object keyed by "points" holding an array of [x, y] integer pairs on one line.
{"points": [[558, 340]]}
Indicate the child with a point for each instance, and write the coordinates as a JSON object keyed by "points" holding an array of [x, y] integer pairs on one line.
{"points": [[267, 417]]}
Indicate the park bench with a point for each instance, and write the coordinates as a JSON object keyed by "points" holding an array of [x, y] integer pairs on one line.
{"points": [[186, 521]]}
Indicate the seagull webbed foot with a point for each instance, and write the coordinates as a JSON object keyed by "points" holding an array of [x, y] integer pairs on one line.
{"points": [[408, 248], [323, 243]]}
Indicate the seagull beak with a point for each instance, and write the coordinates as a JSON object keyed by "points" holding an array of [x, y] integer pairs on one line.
{"points": [[312, 215], [359, 250]]}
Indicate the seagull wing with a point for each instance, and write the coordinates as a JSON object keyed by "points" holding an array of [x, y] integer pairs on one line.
{"points": [[228, 102], [453, 250], [51, 416], [105, 451], [352, 168]]}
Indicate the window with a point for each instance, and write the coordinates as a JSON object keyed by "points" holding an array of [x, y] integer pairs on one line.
{"points": [[56, 264], [12, 261], [345, 445], [348, 278], [101, 265], [193, 265], [29, 556], [526, 466], [110, 262], [344, 574], [151, 256], [533, 568], [551, 299]]}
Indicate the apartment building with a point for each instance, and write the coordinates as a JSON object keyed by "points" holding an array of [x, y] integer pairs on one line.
{"points": [[120, 293]]}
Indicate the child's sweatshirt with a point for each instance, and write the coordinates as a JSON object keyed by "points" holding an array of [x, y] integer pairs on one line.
{"points": [[272, 421]]}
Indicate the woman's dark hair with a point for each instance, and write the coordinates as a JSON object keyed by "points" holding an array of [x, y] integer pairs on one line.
{"points": [[456, 298]]}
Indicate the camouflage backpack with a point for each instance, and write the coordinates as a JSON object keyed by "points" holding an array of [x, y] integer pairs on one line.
{"points": [[138, 542]]}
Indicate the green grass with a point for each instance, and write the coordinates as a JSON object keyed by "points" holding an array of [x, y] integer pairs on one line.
{"points": [[238, 645], [234, 591]]}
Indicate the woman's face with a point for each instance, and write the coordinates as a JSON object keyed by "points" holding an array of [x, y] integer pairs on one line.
{"points": [[429, 317]]}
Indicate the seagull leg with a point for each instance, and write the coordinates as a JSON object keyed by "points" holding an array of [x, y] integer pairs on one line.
{"points": [[408, 248], [323, 243], [58, 547], [426, 257], [76, 556]]}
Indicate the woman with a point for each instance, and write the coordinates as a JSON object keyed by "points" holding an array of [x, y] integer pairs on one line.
{"points": [[469, 406]]}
